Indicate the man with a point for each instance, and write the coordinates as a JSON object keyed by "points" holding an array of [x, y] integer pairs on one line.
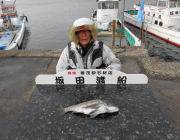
{"points": [[7, 24], [84, 51]]}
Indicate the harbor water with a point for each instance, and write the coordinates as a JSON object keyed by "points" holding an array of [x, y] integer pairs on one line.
{"points": [[49, 22]]}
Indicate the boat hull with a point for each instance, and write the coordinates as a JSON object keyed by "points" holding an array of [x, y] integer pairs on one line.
{"points": [[16, 43], [170, 36]]}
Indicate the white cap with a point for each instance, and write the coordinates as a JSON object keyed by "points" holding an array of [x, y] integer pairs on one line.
{"points": [[82, 21]]}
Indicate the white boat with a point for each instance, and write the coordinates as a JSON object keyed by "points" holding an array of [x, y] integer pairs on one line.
{"points": [[161, 19], [107, 11], [12, 26]]}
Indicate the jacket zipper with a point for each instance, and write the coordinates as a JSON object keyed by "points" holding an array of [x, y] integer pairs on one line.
{"points": [[85, 59]]}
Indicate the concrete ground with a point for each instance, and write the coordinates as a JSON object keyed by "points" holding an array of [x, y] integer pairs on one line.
{"points": [[28, 112]]}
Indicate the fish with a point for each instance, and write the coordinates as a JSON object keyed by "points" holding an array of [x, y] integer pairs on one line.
{"points": [[92, 108]]}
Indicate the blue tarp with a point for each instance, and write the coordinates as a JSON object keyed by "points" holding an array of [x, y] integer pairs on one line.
{"points": [[2, 47], [5, 39]]}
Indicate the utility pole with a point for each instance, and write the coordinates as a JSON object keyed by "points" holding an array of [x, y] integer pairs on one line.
{"points": [[142, 32], [122, 24], [113, 33]]}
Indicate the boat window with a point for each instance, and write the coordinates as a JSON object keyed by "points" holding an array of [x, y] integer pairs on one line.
{"points": [[116, 5], [176, 12], [100, 5], [156, 22], [108, 5], [171, 13], [151, 2], [153, 15], [148, 14], [105, 5], [160, 23], [172, 4], [178, 4], [162, 3], [111, 5], [159, 16]]}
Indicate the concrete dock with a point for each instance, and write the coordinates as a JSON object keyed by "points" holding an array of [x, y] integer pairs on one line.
{"points": [[146, 111]]}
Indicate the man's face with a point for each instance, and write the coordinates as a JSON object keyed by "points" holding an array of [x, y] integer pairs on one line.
{"points": [[84, 37]]}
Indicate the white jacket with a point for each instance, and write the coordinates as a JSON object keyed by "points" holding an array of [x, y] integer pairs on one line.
{"points": [[97, 55]]}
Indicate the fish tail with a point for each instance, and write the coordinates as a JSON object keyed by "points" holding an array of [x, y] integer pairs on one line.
{"points": [[66, 110]]}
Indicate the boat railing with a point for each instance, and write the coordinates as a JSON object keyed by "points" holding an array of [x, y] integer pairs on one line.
{"points": [[131, 38], [132, 12], [108, 5], [174, 28], [8, 7]]}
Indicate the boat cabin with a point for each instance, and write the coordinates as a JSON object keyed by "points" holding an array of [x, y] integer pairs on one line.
{"points": [[163, 3], [163, 13], [7, 12], [168, 3], [7, 8], [107, 10]]}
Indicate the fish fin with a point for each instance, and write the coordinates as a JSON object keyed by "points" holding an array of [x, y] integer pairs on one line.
{"points": [[88, 110], [98, 111], [94, 114], [94, 106]]}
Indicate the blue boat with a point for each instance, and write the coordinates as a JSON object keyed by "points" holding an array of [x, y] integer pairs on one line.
{"points": [[12, 26]]}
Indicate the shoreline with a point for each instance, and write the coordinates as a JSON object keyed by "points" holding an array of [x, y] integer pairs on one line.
{"points": [[151, 66]]}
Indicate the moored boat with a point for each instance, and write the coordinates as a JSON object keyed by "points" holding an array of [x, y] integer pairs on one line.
{"points": [[107, 12], [161, 19], [12, 26]]}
